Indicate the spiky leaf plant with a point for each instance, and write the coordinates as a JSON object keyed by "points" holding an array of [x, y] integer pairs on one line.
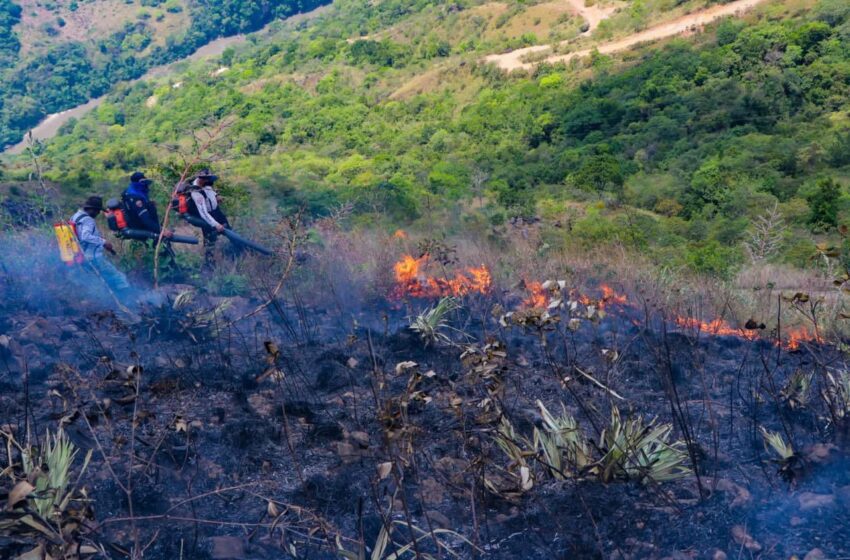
{"points": [[432, 323], [774, 441], [795, 394], [837, 395], [51, 487], [638, 450], [562, 444]]}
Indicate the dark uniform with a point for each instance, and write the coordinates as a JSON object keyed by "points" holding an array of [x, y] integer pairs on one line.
{"points": [[139, 208]]}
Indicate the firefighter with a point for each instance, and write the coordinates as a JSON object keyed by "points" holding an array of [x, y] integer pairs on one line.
{"points": [[139, 210], [200, 200], [94, 245]]}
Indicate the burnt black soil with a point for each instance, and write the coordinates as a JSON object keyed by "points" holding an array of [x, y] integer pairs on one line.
{"points": [[226, 424]]}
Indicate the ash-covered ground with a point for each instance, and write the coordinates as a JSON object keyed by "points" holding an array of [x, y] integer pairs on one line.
{"points": [[318, 424]]}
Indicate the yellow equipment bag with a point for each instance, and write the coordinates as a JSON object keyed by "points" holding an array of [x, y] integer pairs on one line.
{"points": [[69, 248]]}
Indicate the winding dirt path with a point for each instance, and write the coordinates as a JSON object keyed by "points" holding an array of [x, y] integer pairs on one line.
{"points": [[515, 60]]}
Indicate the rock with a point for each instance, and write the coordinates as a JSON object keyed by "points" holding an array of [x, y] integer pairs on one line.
{"points": [[347, 452], [227, 548], [743, 538], [740, 495], [810, 500], [332, 376], [326, 431], [455, 469], [438, 519], [815, 554], [821, 452], [262, 403], [361, 438], [678, 555], [432, 491]]}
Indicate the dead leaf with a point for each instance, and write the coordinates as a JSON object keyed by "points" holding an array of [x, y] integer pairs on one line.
{"points": [[271, 348], [384, 470], [525, 477], [352, 363], [181, 425], [272, 509], [19, 493], [401, 367]]}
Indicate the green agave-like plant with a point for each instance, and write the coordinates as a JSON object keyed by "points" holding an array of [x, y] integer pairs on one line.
{"points": [[639, 450], [51, 487], [562, 444], [431, 323]]}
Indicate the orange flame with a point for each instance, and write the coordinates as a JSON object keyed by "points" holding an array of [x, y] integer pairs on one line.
{"points": [[793, 337], [412, 281], [717, 327], [797, 336], [610, 297], [400, 234], [792, 340], [538, 298]]}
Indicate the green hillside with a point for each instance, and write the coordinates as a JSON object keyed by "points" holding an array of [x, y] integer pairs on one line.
{"points": [[59, 53], [674, 149]]}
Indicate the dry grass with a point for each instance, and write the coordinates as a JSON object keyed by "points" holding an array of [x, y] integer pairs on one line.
{"points": [[91, 21], [762, 294]]}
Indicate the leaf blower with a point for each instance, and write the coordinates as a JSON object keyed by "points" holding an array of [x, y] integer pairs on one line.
{"points": [[230, 234], [117, 221]]}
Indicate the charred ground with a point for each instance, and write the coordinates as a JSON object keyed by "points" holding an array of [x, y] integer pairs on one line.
{"points": [[307, 427]]}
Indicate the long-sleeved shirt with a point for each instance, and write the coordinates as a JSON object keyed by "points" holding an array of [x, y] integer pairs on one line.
{"points": [[206, 200], [141, 212], [91, 240]]}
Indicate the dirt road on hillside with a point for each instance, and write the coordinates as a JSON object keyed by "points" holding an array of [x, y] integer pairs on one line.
{"points": [[594, 15], [516, 60]]}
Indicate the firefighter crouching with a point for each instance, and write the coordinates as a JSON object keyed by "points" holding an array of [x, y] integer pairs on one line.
{"points": [[116, 217]]}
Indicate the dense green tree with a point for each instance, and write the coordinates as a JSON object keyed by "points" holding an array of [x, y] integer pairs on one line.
{"points": [[599, 173], [10, 15], [824, 203]]}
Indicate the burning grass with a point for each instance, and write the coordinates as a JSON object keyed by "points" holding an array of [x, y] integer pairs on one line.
{"points": [[412, 280], [597, 408]]}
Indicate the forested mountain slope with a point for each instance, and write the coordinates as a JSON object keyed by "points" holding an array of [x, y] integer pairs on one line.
{"points": [[57, 54], [678, 147]]}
